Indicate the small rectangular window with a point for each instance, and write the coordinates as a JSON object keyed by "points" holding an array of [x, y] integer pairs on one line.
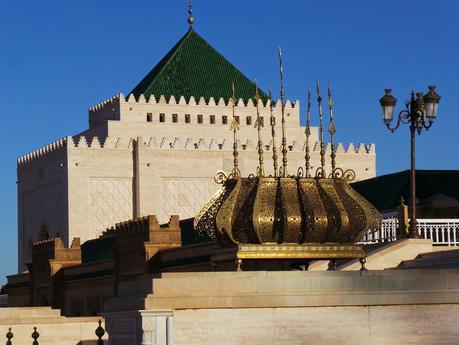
{"points": [[149, 117], [262, 121], [237, 119], [248, 120], [162, 117], [174, 118], [200, 119], [212, 119], [187, 118], [224, 120]]}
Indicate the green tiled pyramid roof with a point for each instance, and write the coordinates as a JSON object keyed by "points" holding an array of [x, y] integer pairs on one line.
{"points": [[194, 68]]}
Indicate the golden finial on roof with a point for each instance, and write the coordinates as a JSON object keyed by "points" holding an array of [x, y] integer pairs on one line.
{"points": [[258, 124], [282, 95], [331, 130], [190, 13], [234, 127], [307, 131], [273, 131], [322, 136]]}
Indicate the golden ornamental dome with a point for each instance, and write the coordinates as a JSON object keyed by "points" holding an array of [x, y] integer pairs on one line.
{"points": [[286, 210]]}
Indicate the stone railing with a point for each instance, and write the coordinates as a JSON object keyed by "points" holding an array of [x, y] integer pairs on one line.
{"points": [[443, 232], [440, 231], [99, 332], [386, 233]]}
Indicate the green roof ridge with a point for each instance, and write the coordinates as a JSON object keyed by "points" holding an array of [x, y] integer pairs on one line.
{"points": [[194, 68]]}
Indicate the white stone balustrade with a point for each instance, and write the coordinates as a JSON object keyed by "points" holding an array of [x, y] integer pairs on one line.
{"points": [[443, 232]]}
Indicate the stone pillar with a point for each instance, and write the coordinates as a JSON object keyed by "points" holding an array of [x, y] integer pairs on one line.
{"points": [[142, 327]]}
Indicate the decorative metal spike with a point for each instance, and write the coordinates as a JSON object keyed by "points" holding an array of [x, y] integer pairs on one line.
{"points": [[190, 13], [261, 169], [402, 201], [273, 131], [100, 333], [322, 136], [331, 130], [9, 336], [307, 131], [35, 336], [234, 127], [282, 96]]}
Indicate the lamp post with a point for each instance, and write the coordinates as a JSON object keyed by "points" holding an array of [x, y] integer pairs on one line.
{"points": [[420, 112]]}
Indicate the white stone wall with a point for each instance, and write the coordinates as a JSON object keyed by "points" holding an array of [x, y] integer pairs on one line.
{"points": [[100, 188], [98, 178], [359, 325], [42, 197]]}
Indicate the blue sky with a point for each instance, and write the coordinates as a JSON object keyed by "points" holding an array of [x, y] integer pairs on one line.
{"points": [[60, 57]]}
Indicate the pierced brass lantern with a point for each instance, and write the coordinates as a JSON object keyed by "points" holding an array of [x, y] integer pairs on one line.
{"points": [[286, 210]]}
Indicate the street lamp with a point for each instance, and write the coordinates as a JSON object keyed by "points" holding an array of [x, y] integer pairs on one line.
{"points": [[421, 111]]}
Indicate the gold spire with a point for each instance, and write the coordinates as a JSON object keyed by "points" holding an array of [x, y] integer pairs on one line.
{"points": [[273, 131], [331, 130], [234, 127], [307, 131], [322, 144], [282, 95], [190, 13], [261, 169]]}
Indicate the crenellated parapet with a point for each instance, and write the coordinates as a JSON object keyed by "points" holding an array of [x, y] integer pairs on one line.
{"points": [[142, 236], [147, 228], [54, 248], [43, 151], [146, 109], [189, 143], [186, 143], [48, 258], [193, 143], [171, 100], [108, 102]]}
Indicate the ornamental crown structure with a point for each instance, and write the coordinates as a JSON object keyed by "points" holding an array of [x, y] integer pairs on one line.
{"points": [[283, 216]]}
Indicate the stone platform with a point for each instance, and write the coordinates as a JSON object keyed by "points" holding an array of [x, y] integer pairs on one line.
{"points": [[290, 307]]}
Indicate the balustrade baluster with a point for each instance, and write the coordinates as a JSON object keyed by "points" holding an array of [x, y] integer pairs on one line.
{"points": [[35, 336], [454, 234], [100, 333], [9, 336]]}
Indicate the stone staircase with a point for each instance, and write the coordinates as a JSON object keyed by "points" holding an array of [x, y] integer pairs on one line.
{"points": [[440, 259], [381, 256]]}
